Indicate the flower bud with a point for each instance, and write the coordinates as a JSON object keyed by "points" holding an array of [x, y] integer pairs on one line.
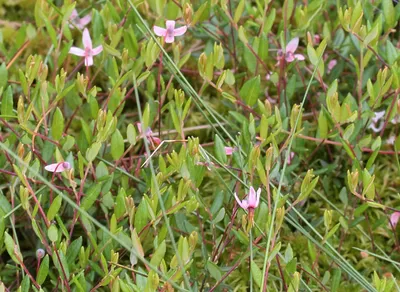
{"points": [[187, 13], [40, 253]]}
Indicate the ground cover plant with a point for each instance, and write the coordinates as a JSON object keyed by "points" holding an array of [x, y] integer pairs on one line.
{"points": [[199, 145]]}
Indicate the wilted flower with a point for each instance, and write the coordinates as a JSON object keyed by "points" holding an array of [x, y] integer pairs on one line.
{"points": [[252, 201], [289, 55], [80, 23], [40, 253], [58, 167], [394, 218], [154, 141], [170, 32], [377, 117], [88, 52]]}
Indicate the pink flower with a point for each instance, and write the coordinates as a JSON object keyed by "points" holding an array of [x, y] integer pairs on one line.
{"points": [[229, 150], [58, 167], [317, 39], [290, 158], [88, 52], [154, 141], [395, 120], [289, 55], [391, 140], [394, 218], [170, 32], [78, 22], [252, 201], [374, 126], [332, 63]]}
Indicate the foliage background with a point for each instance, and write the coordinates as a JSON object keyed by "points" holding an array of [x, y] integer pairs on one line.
{"points": [[133, 217]]}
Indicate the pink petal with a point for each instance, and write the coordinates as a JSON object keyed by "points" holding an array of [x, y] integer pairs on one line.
{"points": [[289, 57], [394, 218], [292, 45], [376, 128], [170, 24], [73, 15], [391, 140], [252, 199], [169, 39], [159, 31], [156, 141], [58, 167], [331, 64], [180, 31], [97, 50], [299, 57], [85, 20], [89, 61], [290, 158], [242, 204], [87, 41], [378, 116], [77, 51], [149, 132], [139, 126], [228, 150]]}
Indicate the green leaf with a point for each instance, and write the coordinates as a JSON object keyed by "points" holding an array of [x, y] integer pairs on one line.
{"points": [[250, 91], [391, 52], [52, 233], [57, 125], [92, 152], [348, 132], [7, 102], [61, 264], [54, 208], [332, 231], [220, 216], [368, 185], [337, 273], [201, 13], [43, 270], [371, 35], [274, 251], [73, 250], [117, 145], [25, 285], [50, 29], [312, 55], [131, 134], [12, 248], [141, 216], [214, 270], [389, 13], [256, 273], [158, 255], [239, 11], [219, 149], [91, 196], [3, 75]]}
